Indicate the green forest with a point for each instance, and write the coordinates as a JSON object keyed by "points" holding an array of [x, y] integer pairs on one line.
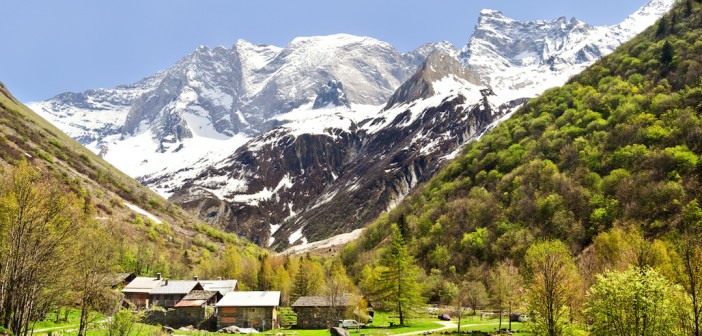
{"points": [[605, 169]]}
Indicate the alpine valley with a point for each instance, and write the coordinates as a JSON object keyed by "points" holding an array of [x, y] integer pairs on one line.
{"points": [[297, 144]]}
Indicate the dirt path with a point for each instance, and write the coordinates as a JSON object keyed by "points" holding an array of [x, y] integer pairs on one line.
{"points": [[446, 325]]}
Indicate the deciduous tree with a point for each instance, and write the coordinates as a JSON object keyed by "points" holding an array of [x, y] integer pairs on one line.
{"points": [[553, 285], [689, 263], [504, 286], [38, 221], [475, 294], [93, 272], [634, 302]]}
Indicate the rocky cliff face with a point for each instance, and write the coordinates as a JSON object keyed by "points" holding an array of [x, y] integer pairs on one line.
{"points": [[268, 142], [331, 94], [438, 65]]}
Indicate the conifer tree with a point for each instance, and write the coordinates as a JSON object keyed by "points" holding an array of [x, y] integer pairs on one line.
{"points": [[667, 53], [397, 284]]}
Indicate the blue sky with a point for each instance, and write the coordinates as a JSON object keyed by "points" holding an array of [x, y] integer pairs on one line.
{"points": [[54, 46]]}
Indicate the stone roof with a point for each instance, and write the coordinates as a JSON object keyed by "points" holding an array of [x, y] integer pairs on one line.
{"points": [[324, 301], [175, 287], [120, 277], [200, 295], [222, 286], [141, 285], [250, 299]]}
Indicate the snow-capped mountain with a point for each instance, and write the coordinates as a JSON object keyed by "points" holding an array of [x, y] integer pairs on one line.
{"points": [[331, 170], [521, 59], [216, 99], [286, 145]]}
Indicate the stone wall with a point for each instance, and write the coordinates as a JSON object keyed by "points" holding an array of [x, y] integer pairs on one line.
{"points": [[180, 317], [317, 317]]}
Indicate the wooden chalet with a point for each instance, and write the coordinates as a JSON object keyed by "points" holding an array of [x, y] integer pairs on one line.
{"points": [[137, 292], [257, 310]]}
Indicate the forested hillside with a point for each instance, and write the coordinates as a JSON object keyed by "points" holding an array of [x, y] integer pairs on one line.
{"points": [[162, 238], [617, 147], [581, 206], [69, 220]]}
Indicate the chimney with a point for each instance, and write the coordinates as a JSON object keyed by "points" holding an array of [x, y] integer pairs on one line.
{"points": [[166, 284], [158, 276], [195, 278]]}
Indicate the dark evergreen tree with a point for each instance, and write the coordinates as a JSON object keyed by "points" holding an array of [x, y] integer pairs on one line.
{"points": [[662, 27], [667, 53]]}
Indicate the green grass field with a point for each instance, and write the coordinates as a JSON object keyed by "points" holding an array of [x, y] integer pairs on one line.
{"points": [[50, 324], [379, 327]]}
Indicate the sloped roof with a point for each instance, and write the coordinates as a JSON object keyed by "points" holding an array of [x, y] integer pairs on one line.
{"points": [[175, 287], [222, 286], [200, 295], [141, 285], [190, 303], [250, 299], [119, 278], [324, 301]]}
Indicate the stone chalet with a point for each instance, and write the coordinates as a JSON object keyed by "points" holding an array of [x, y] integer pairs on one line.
{"points": [[321, 312], [200, 298], [258, 310], [170, 292]]}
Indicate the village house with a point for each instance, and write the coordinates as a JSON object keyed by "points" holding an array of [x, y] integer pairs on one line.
{"points": [[169, 292], [323, 312], [258, 310], [200, 298], [138, 290], [192, 309]]}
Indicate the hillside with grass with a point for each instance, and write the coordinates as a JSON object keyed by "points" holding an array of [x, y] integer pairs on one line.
{"points": [[152, 234], [617, 147]]}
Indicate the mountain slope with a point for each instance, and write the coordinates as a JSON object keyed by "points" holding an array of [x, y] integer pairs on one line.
{"points": [[619, 145], [293, 185], [310, 184], [147, 227], [285, 145]]}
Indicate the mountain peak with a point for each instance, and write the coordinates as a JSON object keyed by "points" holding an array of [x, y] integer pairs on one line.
{"points": [[644, 17], [437, 66], [491, 13], [331, 40]]}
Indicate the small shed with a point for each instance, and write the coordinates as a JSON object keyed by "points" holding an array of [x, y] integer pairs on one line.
{"points": [[209, 298], [258, 310]]}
